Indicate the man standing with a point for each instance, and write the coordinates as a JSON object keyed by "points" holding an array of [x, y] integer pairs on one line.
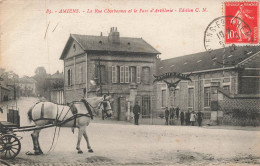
{"points": [[187, 118], [167, 115], [182, 117], [199, 115], [171, 115], [177, 112], [136, 111]]}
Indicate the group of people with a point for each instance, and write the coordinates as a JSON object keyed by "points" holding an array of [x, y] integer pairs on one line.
{"points": [[189, 117]]}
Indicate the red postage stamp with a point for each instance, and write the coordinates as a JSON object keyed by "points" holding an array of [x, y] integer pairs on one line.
{"points": [[241, 22]]}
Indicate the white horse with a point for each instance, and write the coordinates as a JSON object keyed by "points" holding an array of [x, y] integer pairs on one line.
{"points": [[45, 113]]}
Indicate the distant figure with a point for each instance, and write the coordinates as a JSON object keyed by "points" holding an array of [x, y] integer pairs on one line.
{"points": [[182, 117], [199, 116], [192, 118], [167, 115], [171, 115], [177, 112], [136, 111], [187, 118], [1, 110]]}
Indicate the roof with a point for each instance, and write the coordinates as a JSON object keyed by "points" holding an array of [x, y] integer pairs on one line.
{"points": [[101, 43], [208, 61]]}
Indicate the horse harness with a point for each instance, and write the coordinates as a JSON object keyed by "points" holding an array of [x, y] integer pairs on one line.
{"points": [[72, 108]]}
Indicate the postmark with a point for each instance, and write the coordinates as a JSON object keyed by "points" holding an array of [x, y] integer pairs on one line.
{"points": [[216, 32], [245, 14]]}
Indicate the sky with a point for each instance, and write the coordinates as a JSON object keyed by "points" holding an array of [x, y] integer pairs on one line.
{"points": [[30, 37]]}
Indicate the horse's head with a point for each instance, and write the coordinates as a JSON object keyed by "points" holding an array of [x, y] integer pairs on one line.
{"points": [[105, 106]]}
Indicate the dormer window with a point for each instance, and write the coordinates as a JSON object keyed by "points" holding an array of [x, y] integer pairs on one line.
{"points": [[74, 47]]}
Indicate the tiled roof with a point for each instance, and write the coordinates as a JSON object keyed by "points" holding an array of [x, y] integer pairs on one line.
{"points": [[207, 61], [101, 43]]}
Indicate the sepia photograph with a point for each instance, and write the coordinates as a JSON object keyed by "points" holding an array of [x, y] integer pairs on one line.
{"points": [[131, 83]]}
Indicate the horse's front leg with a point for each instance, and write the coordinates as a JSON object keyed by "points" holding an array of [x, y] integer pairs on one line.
{"points": [[81, 131], [88, 144]]}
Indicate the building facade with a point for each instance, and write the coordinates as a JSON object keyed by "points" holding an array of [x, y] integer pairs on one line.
{"points": [[217, 81], [27, 86], [119, 66]]}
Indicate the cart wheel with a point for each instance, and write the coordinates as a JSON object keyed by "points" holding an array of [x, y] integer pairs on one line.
{"points": [[10, 146]]}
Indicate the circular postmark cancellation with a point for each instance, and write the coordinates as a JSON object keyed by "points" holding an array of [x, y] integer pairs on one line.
{"points": [[222, 28]]}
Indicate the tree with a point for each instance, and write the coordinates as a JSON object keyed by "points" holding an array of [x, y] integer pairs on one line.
{"points": [[40, 76], [40, 71]]}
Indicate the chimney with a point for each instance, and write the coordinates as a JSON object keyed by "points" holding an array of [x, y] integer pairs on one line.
{"points": [[101, 34], [113, 36]]}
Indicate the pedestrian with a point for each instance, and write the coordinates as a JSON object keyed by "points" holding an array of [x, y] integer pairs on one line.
{"points": [[171, 114], [136, 111], [187, 118], [167, 115], [192, 118], [199, 116], [177, 112], [182, 117]]}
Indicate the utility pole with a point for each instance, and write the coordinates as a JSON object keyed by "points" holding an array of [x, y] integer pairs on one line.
{"points": [[100, 78]]}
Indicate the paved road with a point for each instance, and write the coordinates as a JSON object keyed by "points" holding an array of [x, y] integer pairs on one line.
{"points": [[120, 143]]}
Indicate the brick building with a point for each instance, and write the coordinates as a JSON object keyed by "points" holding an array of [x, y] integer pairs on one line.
{"points": [[221, 80], [120, 66]]}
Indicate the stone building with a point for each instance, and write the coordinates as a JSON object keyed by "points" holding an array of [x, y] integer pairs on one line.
{"points": [[27, 86], [221, 80], [120, 66]]}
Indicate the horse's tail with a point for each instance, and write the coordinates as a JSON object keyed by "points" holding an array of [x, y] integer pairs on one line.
{"points": [[29, 113]]}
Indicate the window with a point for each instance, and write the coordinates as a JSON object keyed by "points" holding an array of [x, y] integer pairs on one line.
{"points": [[226, 87], [122, 74], [80, 76], [69, 77], [138, 78], [126, 74], [146, 75], [163, 98], [114, 74], [207, 97], [132, 74], [191, 97], [101, 74]]}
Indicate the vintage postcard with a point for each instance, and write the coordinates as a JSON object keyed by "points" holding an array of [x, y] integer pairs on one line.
{"points": [[130, 82]]}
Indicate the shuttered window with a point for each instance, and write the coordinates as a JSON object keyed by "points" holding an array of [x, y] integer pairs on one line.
{"points": [[126, 74], [146, 75], [133, 74], [122, 74], [138, 75], [114, 73]]}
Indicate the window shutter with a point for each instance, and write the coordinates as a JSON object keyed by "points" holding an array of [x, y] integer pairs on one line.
{"points": [[122, 74], [114, 74], [126, 74], [138, 78]]}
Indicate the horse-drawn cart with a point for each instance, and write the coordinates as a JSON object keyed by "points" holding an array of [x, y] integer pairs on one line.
{"points": [[10, 145], [58, 116]]}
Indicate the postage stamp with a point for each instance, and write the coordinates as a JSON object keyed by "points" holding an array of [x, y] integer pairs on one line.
{"points": [[241, 22]]}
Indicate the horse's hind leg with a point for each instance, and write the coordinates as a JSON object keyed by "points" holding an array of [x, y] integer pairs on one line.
{"points": [[81, 129], [36, 145], [88, 144], [40, 150]]}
